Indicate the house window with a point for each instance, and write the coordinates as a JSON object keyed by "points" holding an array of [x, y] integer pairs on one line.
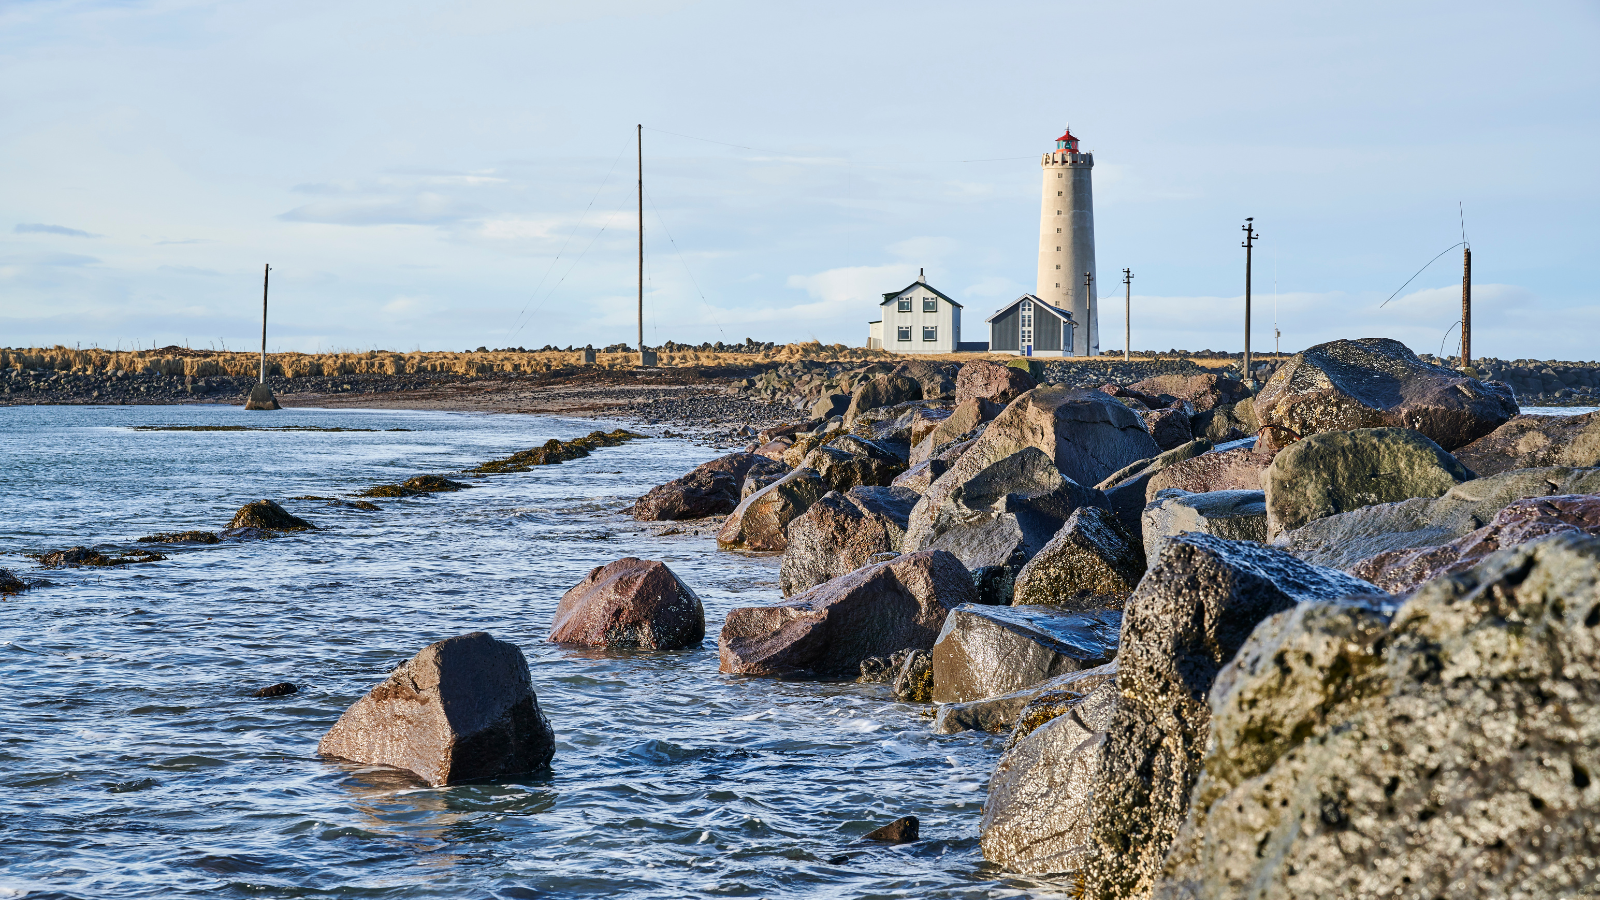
{"points": [[903, 333], [1058, 212], [1058, 267], [1058, 231], [1058, 284], [930, 304], [1058, 193], [930, 332], [905, 306]]}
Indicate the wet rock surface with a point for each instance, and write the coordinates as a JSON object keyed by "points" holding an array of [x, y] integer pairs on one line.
{"points": [[986, 651], [998, 715], [416, 486], [841, 533], [79, 557], [462, 709], [1331, 473], [630, 604], [1377, 383], [902, 830], [1235, 515], [181, 537], [829, 630], [1450, 753], [555, 451], [1093, 562], [711, 489], [913, 682], [11, 584], [1197, 605], [267, 515], [1528, 442], [761, 521]]}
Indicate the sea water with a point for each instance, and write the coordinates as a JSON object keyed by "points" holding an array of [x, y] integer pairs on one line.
{"points": [[135, 763]]}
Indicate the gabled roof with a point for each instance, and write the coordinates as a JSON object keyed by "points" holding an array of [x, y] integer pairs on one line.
{"points": [[1038, 304], [893, 294]]}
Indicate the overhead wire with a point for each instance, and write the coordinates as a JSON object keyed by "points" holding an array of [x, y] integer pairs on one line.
{"points": [[1419, 272], [685, 263]]}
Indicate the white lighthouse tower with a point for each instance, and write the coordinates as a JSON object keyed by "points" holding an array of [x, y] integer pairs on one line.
{"points": [[1066, 240]]}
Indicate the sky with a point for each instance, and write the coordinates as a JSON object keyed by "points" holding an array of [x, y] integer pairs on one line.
{"points": [[443, 176]]}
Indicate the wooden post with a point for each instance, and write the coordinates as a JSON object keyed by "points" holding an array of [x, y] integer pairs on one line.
{"points": [[1466, 307], [640, 135], [1127, 315], [1248, 245], [264, 276]]}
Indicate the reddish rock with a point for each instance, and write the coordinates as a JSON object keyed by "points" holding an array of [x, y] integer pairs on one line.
{"points": [[884, 390], [1230, 470], [841, 532], [984, 380], [630, 603], [774, 449], [1200, 392], [895, 605], [1376, 383], [1533, 442], [967, 415], [1087, 434], [762, 519], [1400, 571], [711, 489], [1169, 427]]}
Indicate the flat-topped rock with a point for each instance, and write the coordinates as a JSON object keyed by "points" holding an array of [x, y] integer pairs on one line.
{"points": [[986, 651]]}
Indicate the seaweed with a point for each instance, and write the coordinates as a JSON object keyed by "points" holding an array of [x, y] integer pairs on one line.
{"points": [[555, 451]]}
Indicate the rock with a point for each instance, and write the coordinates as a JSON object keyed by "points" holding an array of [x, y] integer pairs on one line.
{"points": [[774, 449], [182, 537], [1093, 562], [11, 584], [830, 629], [830, 405], [1228, 470], [1401, 571], [1528, 442], [882, 669], [761, 521], [984, 380], [884, 390], [998, 715], [913, 683], [891, 426], [460, 710], [755, 483], [261, 398], [1191, 613], [967, 415], [1449, 754], [1040, 808], [246, 534], [1200, 392], [902, 830], [847, 464], [711, 489], [1235, 515], [1060, 698], [631, 603], [917, 478], [997, 515], [1344, 540], [1230, 422], [1377, 383], [1125, 488], [281, 689], [936, 379], [267, 515], [84, 557], [1168, 427], [995, 584], [415, 487], [1086, 434], [841, 532], [1336, 472], [986, 651]]}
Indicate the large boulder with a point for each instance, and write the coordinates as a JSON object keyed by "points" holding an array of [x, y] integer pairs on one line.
{"points": [[1087, 434], [1451, 752], [761, 521], [267, 515], [1230, 422], [874, 611], [985, 651], [1191, 613], [1235, 515], [1528, 442], [1093, 562], [996, 383], [1125, 488], [961, 421], [841, 532], [1200, 392], [884, 390], [996, 515], [1168, 427], [1400, 571], [1344, 540], [711, 489], [1377, 383], [1239, 469], [1336, 472], [631, 603], [937, 379], [462, 709], [851, 462], [1039, 809]]}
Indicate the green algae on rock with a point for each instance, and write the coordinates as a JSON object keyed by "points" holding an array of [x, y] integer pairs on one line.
{"points": [[84, 556], [416, 486], [555, 451]]}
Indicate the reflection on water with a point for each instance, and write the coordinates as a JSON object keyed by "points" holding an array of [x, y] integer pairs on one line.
{"points": [[136, 764]]}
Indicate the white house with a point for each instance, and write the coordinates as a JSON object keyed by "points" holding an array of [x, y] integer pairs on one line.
{"points": [[917, 319], [1028, 326]]}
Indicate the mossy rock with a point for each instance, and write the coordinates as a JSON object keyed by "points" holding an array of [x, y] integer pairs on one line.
{"points": [[84, 556], [555, 451], [1033, 367], [181, 537], [267, 515]]}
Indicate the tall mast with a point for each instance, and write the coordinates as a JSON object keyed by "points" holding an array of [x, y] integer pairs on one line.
{"points": [[1249, 247], [264, 276], [1466, 307], [640, 134], [1127, 315]]}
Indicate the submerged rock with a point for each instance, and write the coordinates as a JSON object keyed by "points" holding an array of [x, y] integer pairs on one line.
{"points": [[414, 487], [1377, 383], [462, 709], [74, 557], [1450, 753], [1528, 442], [11, 584], [267, 515], [631, 603], [182, 537], [841, 533], [1093, 562], [281, 689], [828, 630], [985, 651], [1333, 473], [902, 830], [555, 451]]}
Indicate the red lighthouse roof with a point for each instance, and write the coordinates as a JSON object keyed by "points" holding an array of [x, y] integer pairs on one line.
{"points": [[1067, 136]]}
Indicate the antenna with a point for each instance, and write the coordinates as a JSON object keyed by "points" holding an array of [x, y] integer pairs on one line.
{"points": [[1276, 334]]}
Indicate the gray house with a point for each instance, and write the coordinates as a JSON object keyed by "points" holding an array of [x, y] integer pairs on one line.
{"points": [[1029, 326]]}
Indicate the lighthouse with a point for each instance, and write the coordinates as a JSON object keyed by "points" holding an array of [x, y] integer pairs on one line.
{"points": [[1066, 240]]}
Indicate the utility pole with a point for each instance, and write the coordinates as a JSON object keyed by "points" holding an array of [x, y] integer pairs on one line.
{"points": [[1466, 307], [265, 275], [640, 135], [1248, 245], [1127, 315], [1088, 313]]}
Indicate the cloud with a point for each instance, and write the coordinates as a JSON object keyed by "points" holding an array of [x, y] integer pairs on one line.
{"points": [[53, 259], [426, 208], [37, 228]]}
